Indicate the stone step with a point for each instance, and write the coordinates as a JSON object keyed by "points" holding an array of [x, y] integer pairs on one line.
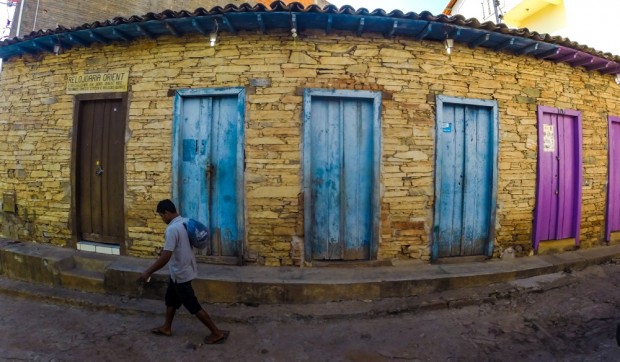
{"points": [[556, 246], [83, 280], [93, 261]]}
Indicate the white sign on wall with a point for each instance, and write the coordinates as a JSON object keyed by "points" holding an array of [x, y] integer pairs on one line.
{"points": [[103, 82], [548, 138]]}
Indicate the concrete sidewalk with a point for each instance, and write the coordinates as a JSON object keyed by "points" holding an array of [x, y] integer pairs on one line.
{"points": [[67, 270]]}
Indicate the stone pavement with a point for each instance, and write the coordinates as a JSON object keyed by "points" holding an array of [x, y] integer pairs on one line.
{"points": [[105, 281]]}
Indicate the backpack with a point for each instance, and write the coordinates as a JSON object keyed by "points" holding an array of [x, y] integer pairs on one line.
{"points": [[197, 232]]}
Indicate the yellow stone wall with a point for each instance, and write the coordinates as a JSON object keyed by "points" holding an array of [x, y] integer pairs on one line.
{"points": [[36, 117]]}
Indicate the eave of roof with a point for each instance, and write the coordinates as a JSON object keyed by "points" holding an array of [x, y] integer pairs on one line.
{"points": [[278, 16]]}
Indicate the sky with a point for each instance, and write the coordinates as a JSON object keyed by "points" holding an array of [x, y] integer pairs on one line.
{"points": [[434, 6]]}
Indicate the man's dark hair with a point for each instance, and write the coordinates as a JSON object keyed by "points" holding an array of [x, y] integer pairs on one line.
{"points": [[166, 205]]}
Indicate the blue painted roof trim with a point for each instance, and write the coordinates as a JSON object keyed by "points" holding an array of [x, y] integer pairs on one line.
{"points": [[278, 16]]}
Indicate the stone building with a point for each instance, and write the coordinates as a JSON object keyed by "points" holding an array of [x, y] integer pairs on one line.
{"points": [[306, 135]]}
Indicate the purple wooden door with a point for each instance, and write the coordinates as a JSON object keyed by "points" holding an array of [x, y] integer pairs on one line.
{"points": [[613, 184], [558, 184]]}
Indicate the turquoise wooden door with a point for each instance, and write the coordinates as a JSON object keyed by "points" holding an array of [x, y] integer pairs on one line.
{"points": [[465, 177], [209, 164], [341, 168]]}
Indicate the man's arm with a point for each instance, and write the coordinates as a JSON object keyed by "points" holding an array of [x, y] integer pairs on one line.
{"points": [[163, 259]]}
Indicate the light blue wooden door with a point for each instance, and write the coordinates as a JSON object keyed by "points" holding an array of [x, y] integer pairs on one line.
{"points": [[465, 177], [341, 170], [209, 166]]}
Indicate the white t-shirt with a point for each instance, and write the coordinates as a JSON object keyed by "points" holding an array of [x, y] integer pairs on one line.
{"points": [[182, 263]]}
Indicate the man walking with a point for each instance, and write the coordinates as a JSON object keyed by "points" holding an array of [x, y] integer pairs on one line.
{"points": [[182, 264]]}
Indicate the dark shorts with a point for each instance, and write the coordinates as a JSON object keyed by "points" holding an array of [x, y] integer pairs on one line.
{"points": [[179, 294]]}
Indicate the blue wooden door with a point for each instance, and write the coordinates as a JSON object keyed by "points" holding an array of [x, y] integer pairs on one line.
{"points": [[466, 177], [341, 171], [209, 166]]}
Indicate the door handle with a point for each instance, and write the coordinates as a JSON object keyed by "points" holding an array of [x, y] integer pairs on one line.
{"points": [[99, 170], [209, 170]]}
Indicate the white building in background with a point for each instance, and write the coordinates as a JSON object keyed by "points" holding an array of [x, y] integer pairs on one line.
{"points": [[7, 9], [585, 22]]}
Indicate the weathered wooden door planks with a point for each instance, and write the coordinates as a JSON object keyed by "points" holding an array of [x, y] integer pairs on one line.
{"points": [[341, 173], [559, 174], [613, 184], [208, 159], [466, 177], [100, 157]]}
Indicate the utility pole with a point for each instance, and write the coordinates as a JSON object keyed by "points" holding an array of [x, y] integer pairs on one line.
{"points": [[496, 10], [19, 20]]}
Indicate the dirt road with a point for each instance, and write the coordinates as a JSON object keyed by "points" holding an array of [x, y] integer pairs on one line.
{"points": [[569, 316]]}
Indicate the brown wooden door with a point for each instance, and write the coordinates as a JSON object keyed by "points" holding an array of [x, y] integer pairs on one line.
{"points": [[100, 170]]}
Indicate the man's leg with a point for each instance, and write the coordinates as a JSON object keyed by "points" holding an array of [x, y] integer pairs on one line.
{"points": [[167, 327], [173, 302], [204, 317], [217, 335], [187, 295]]}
